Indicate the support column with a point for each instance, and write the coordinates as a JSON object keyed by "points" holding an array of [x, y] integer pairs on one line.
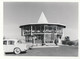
{"points": [[43, 37], [44, 34], [55, 36], [33, 37], [22, 31], [31, 31]]}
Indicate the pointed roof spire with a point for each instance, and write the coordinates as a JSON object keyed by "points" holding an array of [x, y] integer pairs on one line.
{"points": [[42, 19]]}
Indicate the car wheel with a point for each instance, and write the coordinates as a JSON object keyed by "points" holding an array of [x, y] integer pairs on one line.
{"points": [[17, 51]]}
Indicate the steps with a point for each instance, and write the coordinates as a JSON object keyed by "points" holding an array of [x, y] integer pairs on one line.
{"points": [[44, 46]]}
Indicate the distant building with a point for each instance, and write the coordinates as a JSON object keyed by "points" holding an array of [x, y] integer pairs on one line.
{"points": [[42, 33]]}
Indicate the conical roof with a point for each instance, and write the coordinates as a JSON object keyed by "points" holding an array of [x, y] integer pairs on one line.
{"points": [[43, 21], [42, 18]]}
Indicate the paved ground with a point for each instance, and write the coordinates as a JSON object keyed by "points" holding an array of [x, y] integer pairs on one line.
{"points": [[51, 51]]}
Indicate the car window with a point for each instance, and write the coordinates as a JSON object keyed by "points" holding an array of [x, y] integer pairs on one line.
{"points": [[19, 41], [4, 42], [11, 42]]}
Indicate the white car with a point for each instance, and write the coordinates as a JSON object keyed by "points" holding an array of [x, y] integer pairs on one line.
{"points": [[16, 46]]}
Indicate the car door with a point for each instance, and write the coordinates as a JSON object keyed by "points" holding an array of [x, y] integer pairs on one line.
{"points": [[5, 46], [10, 45]]}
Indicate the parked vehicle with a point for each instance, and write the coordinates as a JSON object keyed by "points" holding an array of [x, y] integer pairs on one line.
{"points": [[15, 45]]}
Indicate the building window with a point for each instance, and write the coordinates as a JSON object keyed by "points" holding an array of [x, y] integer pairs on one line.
{"points": [[54, 29], [49, 41], [59, 28], [37, 27], [33, 27]]}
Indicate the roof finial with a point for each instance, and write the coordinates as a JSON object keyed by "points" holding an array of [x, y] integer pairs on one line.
{"points": [[42, 19]]}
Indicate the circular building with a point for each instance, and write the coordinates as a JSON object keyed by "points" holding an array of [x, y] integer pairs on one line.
{"points": [[42, 33]]}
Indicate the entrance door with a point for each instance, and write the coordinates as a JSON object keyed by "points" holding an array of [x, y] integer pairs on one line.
{"points": [[38, 39], [48, 38]]}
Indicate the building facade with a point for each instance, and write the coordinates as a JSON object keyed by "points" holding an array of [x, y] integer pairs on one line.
{"points": [[42, 33]]}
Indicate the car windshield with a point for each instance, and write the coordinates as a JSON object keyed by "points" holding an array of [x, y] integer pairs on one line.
{"points": [[20, 41]]}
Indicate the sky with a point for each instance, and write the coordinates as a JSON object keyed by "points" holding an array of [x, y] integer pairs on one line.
{"points": [[21, 13]]}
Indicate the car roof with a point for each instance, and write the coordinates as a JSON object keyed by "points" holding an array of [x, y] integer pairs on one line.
{"points": [[10, 39]]}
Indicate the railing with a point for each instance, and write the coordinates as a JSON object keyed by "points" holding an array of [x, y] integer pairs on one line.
{"points": [[28, 32]]}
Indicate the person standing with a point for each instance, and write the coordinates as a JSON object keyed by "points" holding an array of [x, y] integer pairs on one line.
{"points": [[33, 39]]}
